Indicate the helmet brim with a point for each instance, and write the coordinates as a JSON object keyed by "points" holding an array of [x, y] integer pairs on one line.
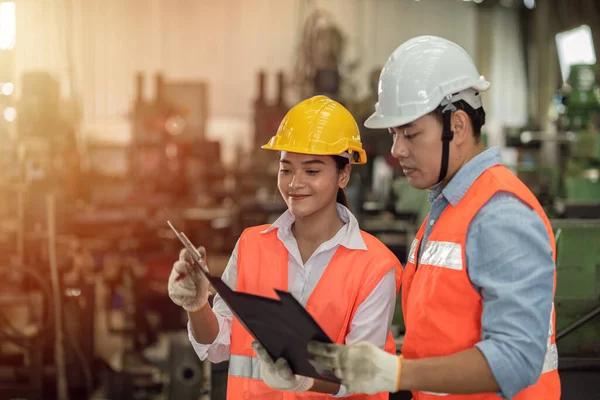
{"points": [[381, 122], [362, 155]]}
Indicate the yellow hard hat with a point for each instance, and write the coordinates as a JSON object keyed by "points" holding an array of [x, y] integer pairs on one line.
{"points": [[319, 126]]}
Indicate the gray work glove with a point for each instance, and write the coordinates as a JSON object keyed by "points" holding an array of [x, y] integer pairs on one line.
{"points": [[278, 375]]}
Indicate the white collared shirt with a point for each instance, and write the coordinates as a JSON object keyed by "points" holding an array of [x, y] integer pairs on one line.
{"points": [[372, 319]]}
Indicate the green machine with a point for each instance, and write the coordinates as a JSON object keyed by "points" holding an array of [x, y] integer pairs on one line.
{"points": [[577, 298], [581, 120], [569, 190], [577, 230], [570, 186]]}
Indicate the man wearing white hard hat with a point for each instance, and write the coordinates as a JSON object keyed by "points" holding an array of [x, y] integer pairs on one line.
{"points": [[478, 287]]}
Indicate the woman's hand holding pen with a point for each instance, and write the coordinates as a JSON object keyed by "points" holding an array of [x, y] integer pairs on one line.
{"points": [[188, 287]]}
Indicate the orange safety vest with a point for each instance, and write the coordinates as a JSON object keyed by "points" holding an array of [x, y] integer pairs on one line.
{"points": [[442, 310], [348, 280]]}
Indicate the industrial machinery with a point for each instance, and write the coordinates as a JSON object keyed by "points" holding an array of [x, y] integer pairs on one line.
{"points": [[47, 308], [581, 119], [256, 194], [321, 67], [577, 296], [578, 263], [563, 167], [47, 304], [95, 226], [169, 171]]}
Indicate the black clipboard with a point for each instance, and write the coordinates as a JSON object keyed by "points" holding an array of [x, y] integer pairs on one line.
{"points": [[282, 326]]}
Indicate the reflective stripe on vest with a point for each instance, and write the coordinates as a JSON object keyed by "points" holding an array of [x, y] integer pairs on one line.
{"points": [[442, 254], [244, 367], [413, 248], [551, 358]]}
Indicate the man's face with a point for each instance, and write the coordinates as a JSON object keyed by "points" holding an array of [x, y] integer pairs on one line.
{"points": [[418, 148], [309, 183]]}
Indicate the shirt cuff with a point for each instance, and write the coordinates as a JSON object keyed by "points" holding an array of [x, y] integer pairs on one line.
{"points": [[202, 349], [501, 369], [341, 392]]}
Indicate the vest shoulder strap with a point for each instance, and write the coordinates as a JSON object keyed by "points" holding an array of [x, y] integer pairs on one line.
{"points": [[256, 248], [495, 179]]}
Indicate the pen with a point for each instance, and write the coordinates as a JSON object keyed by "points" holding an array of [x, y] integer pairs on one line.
{"points": [[194, 253]]}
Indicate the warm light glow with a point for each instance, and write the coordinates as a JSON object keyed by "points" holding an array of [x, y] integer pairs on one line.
{"points": [[10, 114], [7, 25], [7, 88]]}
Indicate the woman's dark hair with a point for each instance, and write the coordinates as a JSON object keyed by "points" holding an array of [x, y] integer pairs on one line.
{"points": [[340, 163]]}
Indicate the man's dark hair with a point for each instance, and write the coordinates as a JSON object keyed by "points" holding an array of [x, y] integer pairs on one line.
{"points": [[477, 117]]}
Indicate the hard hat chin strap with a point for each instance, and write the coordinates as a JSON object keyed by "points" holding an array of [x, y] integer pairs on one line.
{"points": [[447, 136]]}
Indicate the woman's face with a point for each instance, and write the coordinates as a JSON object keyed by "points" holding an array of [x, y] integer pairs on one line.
{"points": [[309, 183]]}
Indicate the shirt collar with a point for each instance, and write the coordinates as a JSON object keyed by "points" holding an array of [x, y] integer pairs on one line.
{"points": [[349, 236], [458, 186]]}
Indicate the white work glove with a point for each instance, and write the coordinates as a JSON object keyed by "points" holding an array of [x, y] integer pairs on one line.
{"points": [[362, 367], [278, 374], [188, 287]]}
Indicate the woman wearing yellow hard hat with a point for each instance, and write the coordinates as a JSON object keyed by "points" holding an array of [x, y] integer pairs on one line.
{"points": [[347, 279]]}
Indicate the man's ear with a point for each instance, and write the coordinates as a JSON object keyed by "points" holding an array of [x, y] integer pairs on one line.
{"points": [[461, 126]]}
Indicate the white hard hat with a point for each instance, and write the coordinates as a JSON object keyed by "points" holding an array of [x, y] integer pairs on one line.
{"points": [[419, 75]]}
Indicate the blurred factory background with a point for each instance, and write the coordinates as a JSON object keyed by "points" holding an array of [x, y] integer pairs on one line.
{"points": [[118, 115]]}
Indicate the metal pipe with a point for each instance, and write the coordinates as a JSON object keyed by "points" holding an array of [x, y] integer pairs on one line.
{"points": [[59, 350], [280, 89], [206, 388], [21, 226], [592, 314], [541, 136]]}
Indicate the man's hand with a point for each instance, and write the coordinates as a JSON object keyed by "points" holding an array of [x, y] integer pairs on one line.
{"points": [[278, 374], [188, 287], [362, 367]]}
